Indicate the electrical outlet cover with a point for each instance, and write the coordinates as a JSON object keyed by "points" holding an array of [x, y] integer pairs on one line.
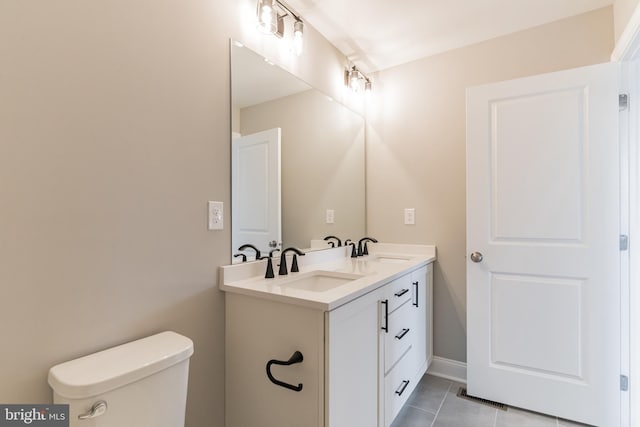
{"points": [[216, 216]]}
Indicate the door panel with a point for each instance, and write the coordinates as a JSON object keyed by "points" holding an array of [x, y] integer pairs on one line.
{"points": [[256, 190], [520, 195], [515, 301], [543, 325]]}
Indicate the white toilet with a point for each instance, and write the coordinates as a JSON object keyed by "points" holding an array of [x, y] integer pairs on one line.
{"points": [[139, 384]]}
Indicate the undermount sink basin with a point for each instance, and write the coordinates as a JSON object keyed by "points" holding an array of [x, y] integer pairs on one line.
{"points": [[392, 259], [320, 281]]}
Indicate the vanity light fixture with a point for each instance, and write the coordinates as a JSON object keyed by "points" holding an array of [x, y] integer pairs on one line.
{"points": [[356, 80], [271, 14]]}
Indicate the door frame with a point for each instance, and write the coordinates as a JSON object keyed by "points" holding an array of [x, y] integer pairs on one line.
{"points": [[627, 51]]}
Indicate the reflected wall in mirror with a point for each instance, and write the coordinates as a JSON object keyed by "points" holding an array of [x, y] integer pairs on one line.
{"points": [[320, 172]]}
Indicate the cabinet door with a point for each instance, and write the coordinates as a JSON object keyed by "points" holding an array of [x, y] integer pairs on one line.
{"points": [[258, 330], [352, 362]]}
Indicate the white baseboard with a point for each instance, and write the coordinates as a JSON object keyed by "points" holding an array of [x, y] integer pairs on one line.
{"points": [[449, 369]]}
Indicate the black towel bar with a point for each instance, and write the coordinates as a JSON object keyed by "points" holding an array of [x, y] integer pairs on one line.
{"points": [[295, 358]]}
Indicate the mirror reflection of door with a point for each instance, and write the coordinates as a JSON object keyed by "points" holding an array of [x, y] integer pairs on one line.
{"points": [[256, 191], [322, 151]]}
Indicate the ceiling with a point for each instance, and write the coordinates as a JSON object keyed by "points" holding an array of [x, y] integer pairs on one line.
{"points": [[379, 34], [273, 82]]}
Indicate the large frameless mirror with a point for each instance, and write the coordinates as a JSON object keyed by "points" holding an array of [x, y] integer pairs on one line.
{"points": [[297, 160]]}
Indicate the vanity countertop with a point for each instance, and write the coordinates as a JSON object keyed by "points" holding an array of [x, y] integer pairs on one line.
{"points": [[386, 262]]}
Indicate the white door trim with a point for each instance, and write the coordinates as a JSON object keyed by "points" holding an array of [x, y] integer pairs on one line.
{"points": [[628, 50], [628, 45], [630, 225]]}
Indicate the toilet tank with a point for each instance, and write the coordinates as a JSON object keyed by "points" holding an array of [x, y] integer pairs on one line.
{"points": [[142, 383]]}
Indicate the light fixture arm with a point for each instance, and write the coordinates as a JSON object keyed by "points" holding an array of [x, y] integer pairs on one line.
{"points": [[271, 14], [290, 11]]}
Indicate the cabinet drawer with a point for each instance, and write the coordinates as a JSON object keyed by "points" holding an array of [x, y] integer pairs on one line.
{"points": [[398, 291], [398, 385], [401, 335]]}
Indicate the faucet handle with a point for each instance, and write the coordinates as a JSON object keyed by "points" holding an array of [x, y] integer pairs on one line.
{"points": [[294, 264], [354, 252], [269, 273]]}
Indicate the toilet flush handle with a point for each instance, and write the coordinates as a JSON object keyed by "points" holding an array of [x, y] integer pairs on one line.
{"points": [[98, 408]]}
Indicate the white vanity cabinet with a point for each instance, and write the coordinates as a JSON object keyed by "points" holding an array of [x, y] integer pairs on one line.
{"points": [[339, 367], [353, 372]]}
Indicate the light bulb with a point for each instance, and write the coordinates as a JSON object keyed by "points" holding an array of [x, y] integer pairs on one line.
{"points": [[298, 29], [265, 15], [354, 80]]}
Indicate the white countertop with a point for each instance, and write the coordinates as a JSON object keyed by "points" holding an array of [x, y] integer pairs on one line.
{"points": [[386, 262]]}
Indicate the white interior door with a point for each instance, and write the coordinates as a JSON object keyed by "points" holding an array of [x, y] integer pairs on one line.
{"points": [[256, 191], [543, 304]]}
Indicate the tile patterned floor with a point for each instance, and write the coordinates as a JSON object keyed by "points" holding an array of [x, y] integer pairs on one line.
{"points": [[434, 403]]}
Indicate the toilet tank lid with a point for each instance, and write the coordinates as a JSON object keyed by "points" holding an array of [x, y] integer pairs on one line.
{"points": [[115, 367]]}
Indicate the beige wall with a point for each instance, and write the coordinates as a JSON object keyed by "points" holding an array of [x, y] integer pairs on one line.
{"points": [[622, 11], [114, 134], [416, 145], [322, 165]]}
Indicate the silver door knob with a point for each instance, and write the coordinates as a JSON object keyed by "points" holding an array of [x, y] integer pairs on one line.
{"points": [[476, 257], [273, 244]]}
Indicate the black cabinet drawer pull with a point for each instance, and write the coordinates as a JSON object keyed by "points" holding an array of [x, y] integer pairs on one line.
{"points": [[386, 315], [402, 333], [416, 285], [402, 387], [401, 292]]}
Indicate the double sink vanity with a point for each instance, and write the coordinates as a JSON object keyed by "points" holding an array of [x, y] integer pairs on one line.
{"points": [[342, 342]]}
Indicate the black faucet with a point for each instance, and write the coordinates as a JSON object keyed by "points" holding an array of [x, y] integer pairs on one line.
{"points": [[244, 257], [333, 244], [365, 251], [248, 246], [294, 263], [269, 273]]}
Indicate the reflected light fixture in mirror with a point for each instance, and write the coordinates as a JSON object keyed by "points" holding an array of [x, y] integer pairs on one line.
{"points": [[271, 14], [298, 30], [356, 80]]}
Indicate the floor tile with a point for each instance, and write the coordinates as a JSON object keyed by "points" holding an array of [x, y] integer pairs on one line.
{"points": [[458, 412], [518, 417], [413, 417], [429, 393]]}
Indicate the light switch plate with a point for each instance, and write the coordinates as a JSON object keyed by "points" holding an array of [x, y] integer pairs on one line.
{"points": [[409, 216], [216, 216]]}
